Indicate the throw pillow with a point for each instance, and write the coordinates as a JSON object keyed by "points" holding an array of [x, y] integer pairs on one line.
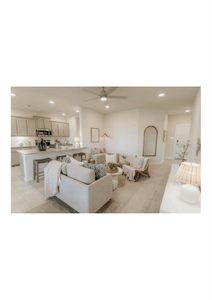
{"points": [[67, 159], [99, 169], [123, 160], [64, 168], [137, 163]]}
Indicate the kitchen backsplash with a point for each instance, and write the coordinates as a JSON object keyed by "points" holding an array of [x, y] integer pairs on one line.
{"points": [[21, 141]]}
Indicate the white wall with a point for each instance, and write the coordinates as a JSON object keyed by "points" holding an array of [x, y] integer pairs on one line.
{"points": [[173, 121], [74, 130], [122, 127], [195, 128], [126, 129], [90, 119]]}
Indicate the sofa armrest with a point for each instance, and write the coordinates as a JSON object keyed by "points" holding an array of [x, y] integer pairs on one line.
{"points": [[101, 192]]}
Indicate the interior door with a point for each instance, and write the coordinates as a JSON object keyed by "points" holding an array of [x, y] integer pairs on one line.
{"points": [[182, 136]]}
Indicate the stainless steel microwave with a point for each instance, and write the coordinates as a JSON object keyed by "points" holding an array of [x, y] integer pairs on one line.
{"points": [[43, 132]]}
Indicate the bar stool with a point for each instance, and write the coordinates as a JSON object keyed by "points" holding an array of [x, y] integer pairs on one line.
{"points": [[60, 157], [79, 156], [36, 163]]}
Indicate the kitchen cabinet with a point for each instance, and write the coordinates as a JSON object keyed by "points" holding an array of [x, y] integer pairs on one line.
{"points": [[60, 129], [47, 124], [14, 158], [31, 127], [55, 130], [66, 129], [14, 131], [40, 124], [22, 127]]}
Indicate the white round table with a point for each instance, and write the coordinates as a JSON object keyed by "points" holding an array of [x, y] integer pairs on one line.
{"points": [[115, 177]]}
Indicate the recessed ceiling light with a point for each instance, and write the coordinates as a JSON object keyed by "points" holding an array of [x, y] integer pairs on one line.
{"points": [[103, 98], [63, 114], [51, 102], [187, 110], [77, 111], [161, 95], [13, 94], [107, 106]]}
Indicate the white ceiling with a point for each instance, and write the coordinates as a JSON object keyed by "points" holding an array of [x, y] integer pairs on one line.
{"points": [[69, 99]]}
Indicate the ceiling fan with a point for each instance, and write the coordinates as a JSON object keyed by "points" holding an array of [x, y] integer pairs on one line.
{"points": [[104, 95]]}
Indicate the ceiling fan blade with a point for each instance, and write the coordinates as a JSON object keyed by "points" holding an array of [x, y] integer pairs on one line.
{"points": [[90, 91], [118, 97], [92, 99], [110, 90]]}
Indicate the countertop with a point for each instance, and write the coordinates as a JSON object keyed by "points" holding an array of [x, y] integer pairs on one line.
{"points": [[50, 150]]}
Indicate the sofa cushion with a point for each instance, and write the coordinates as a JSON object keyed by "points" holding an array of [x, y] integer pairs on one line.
{"points": [[80, 173], [99, 169], [111, 158], [70, 159]]}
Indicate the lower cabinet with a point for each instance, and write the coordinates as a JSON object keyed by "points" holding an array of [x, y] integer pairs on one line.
{"points": [[14, 158]]}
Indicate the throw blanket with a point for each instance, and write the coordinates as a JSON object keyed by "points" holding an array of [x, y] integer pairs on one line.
{"points": [[129, 172], [51, 178]]}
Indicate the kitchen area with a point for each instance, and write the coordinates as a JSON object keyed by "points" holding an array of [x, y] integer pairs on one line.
{"points": [[39, 137]]}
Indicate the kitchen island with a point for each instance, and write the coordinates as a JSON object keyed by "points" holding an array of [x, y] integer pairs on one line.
{"points": [[27, 156]]}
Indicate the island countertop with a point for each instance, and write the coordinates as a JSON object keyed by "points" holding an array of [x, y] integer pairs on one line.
{"points": [[50, 150], [27, 156]]}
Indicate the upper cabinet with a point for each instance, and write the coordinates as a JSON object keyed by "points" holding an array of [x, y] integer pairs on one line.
{"points": [[14, 130], [40, 124], [66, 129], [22, 127], [47, 124], [55, 130], [31, 127], [27, 127], [60, 129]]}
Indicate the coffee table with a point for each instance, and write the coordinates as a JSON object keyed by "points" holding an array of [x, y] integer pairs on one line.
{"points": [[115, 177]]}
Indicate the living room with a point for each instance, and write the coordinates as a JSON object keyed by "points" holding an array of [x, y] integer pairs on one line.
{"points": [[141, 133]]}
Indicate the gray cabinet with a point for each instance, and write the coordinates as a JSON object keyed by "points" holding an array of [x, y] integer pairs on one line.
{"points": [[66, 129], [55, 131], [60, 129], [31, 127], [22, 127], [47, 124], [14, 130], [40, 123], [14, 158]]}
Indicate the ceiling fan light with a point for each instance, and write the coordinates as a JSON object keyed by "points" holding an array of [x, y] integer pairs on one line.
{"points": [[103, 98]]}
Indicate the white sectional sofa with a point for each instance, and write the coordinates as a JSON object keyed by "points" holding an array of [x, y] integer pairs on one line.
{"points": [[172, 200], [81, 191]]}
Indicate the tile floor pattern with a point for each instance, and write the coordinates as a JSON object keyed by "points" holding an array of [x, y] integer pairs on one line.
{"points": [[143, 196]]}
